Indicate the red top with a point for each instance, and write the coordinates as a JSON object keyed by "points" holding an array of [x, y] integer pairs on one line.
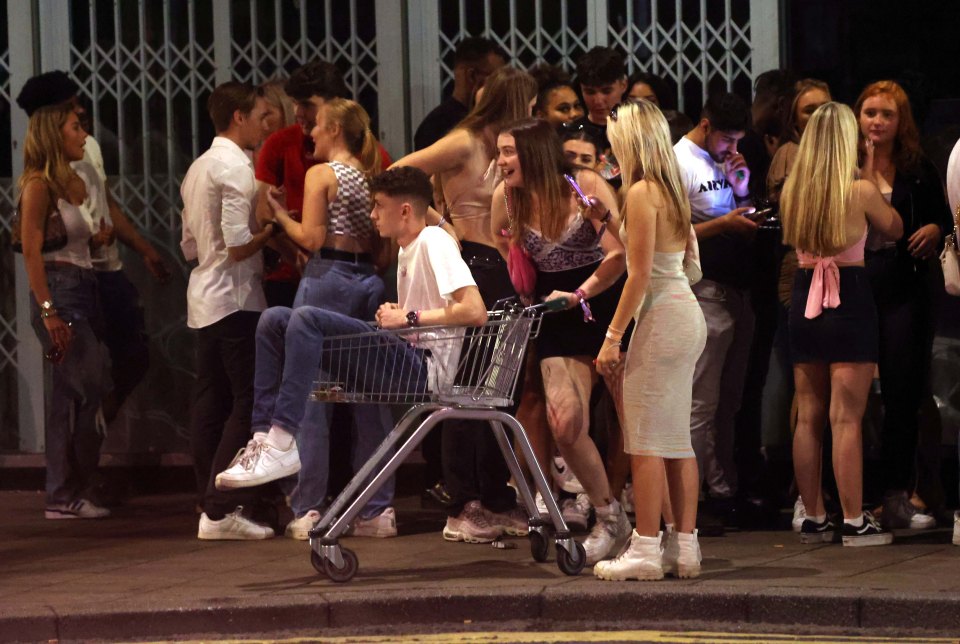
{"points": [[283, 160]]}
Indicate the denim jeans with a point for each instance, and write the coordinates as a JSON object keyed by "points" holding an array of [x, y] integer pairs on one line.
{"points": [[355, 291], [75, 387]]}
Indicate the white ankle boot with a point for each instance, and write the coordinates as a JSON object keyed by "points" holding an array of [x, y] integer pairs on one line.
{"points": [[642, 560], [681, 555]]}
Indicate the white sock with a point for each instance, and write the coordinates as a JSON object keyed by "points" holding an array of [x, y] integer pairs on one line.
{"points": [[279, 438], [856, 523], [820, 518]]}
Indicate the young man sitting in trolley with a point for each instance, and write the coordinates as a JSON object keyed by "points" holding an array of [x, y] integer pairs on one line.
{"points": [[435, 288]]}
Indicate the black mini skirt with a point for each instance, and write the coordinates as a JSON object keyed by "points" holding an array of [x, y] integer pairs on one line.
{"points": [[848, 333]]}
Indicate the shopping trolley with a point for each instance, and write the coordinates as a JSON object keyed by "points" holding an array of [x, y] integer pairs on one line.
{"points": [[444, 373]]}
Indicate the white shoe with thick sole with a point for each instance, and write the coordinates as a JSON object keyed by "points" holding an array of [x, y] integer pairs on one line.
{"points": [[609, 534], [299, 529], [681, 555], [641, 560]]}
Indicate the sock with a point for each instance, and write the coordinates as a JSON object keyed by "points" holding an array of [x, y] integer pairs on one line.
{"points": [[856, 523], [820, 518], [279, 438]]}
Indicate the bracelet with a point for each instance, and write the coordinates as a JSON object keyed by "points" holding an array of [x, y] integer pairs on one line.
{"points": [[606, 217], [610, 328], [614, 338], [48, 313], [443, 220], [585, 305]]}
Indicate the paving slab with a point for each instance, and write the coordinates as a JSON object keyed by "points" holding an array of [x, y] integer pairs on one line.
{"points": [[143, 573]]}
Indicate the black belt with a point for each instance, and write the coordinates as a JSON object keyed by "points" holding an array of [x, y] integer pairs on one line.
{"points": [[344, 256]]}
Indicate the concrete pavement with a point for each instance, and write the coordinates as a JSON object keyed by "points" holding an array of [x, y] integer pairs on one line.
{"points": [[143, 573]]}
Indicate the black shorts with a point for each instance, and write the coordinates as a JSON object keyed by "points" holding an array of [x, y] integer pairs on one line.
{"points": [[848, 333]]}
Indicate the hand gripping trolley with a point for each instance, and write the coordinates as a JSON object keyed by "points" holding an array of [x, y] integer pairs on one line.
{"points": [[444, 372]]}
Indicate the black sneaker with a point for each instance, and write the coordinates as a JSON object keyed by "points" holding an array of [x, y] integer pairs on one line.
{"points": [[813, 532], [869, 534]]}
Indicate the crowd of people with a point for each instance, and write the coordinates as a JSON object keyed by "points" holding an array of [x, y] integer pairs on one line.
{"points": [[761, 264]]}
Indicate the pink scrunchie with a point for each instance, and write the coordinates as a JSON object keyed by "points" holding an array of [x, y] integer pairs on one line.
{"points": [[824, 288]]}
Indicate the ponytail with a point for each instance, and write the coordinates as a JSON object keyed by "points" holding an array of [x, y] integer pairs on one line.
{"points": [[370, 160]]}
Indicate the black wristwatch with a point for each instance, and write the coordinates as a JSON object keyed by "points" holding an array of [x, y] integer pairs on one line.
{"points": [[413, 318]]}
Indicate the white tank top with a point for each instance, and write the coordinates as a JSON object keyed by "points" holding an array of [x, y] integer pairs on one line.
{"points": [[77, 250]]}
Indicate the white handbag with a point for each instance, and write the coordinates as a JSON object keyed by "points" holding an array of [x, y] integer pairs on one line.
{"points": [[948, 260]]}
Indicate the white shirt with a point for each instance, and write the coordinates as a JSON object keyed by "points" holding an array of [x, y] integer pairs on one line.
{"points": [[219, 193], [429, 271], [95, 207], [953, 179], [711, 195]]}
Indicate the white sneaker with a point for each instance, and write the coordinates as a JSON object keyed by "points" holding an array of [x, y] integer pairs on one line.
{"points": [[899, 512], [382, 526], [76, 509], [626, 498], [681, 555], [263, 463], [576, 512], [564, 476], [641, 560], [799, 514], [609, 534], [232, 527], [956, 528], [299, 528]]}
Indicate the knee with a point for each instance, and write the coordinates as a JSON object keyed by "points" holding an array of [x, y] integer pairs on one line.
{"points": [[567, 428], [274, 320]]}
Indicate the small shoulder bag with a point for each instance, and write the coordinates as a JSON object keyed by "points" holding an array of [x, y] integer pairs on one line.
{"points": [[54, 230]]}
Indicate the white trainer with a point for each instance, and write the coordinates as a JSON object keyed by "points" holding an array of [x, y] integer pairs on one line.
{"points": [[232, 527], [609, 534], [641, 560], [799, 514], [382, 526], [564, 476], [541, 507], [681, 555], [299, 528], [76, 509], [262, 464]]}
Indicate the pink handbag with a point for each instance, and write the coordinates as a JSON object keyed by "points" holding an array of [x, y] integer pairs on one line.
{"points": [[523, 274]]}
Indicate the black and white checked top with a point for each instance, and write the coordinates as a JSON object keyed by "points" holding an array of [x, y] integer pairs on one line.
{"points": [[349, 213]]}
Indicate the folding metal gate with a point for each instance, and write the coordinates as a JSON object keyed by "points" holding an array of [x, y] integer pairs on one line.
{"points": [[146, 67]]}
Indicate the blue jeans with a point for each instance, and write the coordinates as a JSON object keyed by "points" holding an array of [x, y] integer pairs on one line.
{"points": [[75, 387], [353, 290], [289, 355]]}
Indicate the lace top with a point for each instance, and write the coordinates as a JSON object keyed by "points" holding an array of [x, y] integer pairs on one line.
{"points": [[578, 246]]}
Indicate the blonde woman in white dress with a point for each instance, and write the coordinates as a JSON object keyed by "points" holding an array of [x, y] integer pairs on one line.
{"points": [[668, 338]]}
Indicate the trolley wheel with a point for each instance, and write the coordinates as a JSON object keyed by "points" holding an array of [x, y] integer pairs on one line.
{"points": [[571, 564], [349, 569], [538, 545]]}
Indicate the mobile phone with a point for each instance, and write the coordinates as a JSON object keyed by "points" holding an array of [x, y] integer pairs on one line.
{"points": [[766, 213], [576, 188]]}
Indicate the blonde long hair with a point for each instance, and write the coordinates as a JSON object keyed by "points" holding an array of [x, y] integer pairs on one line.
{"points": [[43, 148], [640, 139], [354, 123], [816, 195]]}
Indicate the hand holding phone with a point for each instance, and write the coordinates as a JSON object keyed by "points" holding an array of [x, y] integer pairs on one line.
{"points": [[576, 188]]}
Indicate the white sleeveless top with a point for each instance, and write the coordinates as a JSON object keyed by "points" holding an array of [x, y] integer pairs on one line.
{"points": [[77, 250]]}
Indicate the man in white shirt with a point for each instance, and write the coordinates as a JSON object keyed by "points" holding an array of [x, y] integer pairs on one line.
{"points": [[717, 180], [435, 287], [224, 298]]}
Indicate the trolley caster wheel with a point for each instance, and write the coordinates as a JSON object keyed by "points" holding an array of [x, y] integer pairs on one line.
{"points": [[349, 569], [539, 546], [571, 564]]}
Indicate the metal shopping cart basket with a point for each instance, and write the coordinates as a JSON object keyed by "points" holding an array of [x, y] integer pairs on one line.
{"points": [[443, 372]]}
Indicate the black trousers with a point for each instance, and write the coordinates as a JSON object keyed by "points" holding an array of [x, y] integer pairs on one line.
{"points": [[907, 324], [223, 403], [473, 465]]}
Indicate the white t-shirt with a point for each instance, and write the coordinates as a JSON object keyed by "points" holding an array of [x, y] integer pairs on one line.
{"points": [[711, 196], [429, 271], [219, 193], [96, 207]]}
